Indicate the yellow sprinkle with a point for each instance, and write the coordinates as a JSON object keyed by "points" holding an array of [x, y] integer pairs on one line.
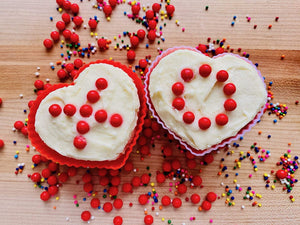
{"points": [[227, 199], [96, 34], [259, 204], [57, 198], [42, 179], [32, 166], [251, 194], [110, 58], [233, 203], [35, 185], [17, 152], [166, 16], [160, 207], [168, 1], [26, 120], [292, 199], [115, 37], [162, 18], [162, 12], [223, 194], [92, 34], [273, 186], [108, 18], [62, 41], [60, 10], [232, 152], [289, 156], [234, 181], [176, 21], [144, 8], [241, 153], [93, 194], [127, 48], [163, 219]]}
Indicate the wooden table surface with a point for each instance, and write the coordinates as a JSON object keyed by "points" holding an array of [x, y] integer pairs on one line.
{"points": [[25, 24]]}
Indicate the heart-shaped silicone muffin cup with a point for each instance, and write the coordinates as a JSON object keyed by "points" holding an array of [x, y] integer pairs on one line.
{"points": [[204, 102], [114, 121]]}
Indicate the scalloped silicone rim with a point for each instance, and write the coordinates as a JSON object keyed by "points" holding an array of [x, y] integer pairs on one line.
{"points": [[199, 152], [51, 154]]}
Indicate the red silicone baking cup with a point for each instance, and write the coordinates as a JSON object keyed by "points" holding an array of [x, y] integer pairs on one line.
{"points": [[51, 154], [194, 151]]}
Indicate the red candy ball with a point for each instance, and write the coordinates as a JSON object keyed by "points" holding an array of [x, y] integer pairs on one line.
{"points": [[39, 84], [93, 96], [151, 35], [48, 43], [205, 70], [143, 63], [107, 10], [72, 171], [135, 9], [165, 200], [77, 20], [145, 178], [152, 24], [149, 14], [74, 38], [79, 142], [202, 48], [136, 181], [69, 109], [52, 180], [221, 119], [55, 110], [52, 166], [208, 158], [95, 203], [36, 177], [176, 165], [86, 215], [281, 174], [112, 3], [219, 51], [167, 166], [188, 117], [101, 83], [118, 220], [66, 18], [75, 8], [187, 74], [69, 67], [78, 63], [113, 191], [102, 43], [116, 120], [206, 205], [36, 159], [101, 116], [178, 88], [131, 55], [143, 199], [63, 177], [156, 7], [148, 219], [86, 110], [195, 198], [45, 196], [211, 197], [182, 188], [176, 203], [141, 34], [88, 187], [197, 180], [134, 41], [178, 103], [118, 203], [60, 25], [19, 125], [53, 190], [54, 35], [222, 75], [67, 5], [93, 23], [229, 89], [170, 10], [160, 178], [204, 123], [127, 188], [46, 173], [67, 34], [82, 127], [229, 105], [62, 74]]}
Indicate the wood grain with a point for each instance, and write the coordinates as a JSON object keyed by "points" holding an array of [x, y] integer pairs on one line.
{"points": [[25, 24]]}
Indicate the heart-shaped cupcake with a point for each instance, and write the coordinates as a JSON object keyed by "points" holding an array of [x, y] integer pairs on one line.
{"points": [[204, 102], [93, 122]]}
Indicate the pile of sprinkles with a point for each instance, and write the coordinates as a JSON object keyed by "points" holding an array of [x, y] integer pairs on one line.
{"points": [[181, 177]]}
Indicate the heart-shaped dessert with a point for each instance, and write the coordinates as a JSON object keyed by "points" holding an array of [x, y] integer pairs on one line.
{"points": [[204, 102], [93, 122]]}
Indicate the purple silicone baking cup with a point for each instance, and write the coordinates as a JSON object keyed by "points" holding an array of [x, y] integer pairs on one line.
{"points": [[226, 141]]}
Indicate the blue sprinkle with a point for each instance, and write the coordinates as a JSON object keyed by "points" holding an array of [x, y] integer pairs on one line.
{"points": [[147, 45], [232, 23], [275, 121], [234, 17], [16, 156], [241, 138], [51, 18], [84, 199]]}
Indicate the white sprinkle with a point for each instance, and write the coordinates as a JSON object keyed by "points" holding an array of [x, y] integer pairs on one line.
{"points": [[37, 74], [47, 80], [67, 219], [243, 207], [157, 213], [21, 96], [38, 68], [51, 64]]}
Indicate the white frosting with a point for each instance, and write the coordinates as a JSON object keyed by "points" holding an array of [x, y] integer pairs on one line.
{"points": [[205, 96], [104, 142]]}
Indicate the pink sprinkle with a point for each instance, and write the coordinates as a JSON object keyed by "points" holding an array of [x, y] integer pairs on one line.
{"points": [[211, 221], [74, 196], [75, 202], [250, 175], [289, 150], [183, 29], [170, 189], [170, 184]]}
